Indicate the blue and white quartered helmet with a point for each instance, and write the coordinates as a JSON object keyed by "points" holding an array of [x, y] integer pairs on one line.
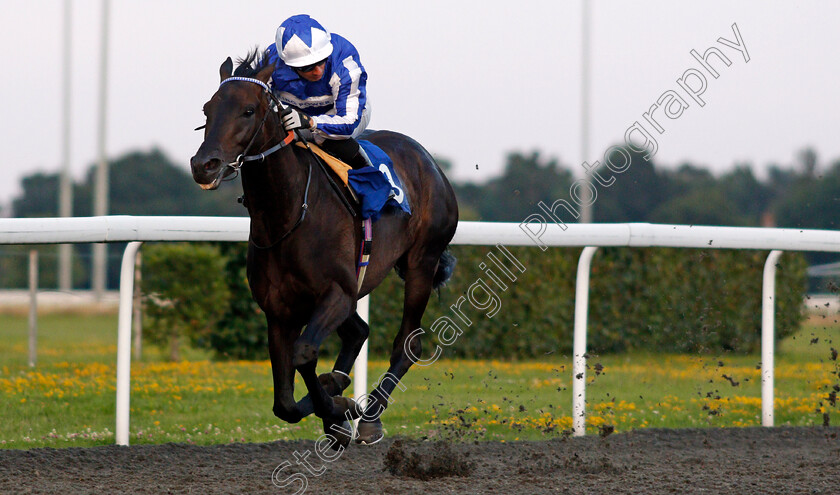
{"points": [[302, 41]]}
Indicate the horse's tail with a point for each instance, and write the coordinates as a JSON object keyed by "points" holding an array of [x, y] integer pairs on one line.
{"points": [[445, 269]]}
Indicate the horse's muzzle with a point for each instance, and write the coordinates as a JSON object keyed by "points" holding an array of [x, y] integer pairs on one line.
{"points": [[207, 171]]}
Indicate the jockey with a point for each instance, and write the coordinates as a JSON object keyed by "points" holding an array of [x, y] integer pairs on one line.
{"points": [[321, 75]]}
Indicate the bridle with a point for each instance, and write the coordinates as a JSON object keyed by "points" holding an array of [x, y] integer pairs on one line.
{"points": [[274, 106]]}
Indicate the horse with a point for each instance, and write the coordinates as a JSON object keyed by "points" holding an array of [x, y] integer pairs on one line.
{"points": [[304, 244]]}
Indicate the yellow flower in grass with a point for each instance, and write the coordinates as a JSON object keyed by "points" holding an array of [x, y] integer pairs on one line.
{"points": [[595, 420], [747, 401], [822, 383]]}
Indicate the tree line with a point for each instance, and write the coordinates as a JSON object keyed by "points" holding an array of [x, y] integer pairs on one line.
{"points": [[799, 195]]}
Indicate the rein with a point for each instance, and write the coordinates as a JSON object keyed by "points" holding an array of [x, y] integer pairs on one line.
{"points": [[274, 106]]}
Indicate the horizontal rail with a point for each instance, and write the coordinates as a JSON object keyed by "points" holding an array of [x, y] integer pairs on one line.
{"points": [[118, 228]]}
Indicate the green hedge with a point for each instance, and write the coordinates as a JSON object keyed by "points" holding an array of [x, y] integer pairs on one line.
{"points": [[656, 299], [199, 291], [184, 294], [670, 300]]}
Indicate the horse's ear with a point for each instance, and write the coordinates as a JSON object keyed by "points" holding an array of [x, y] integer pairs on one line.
{"points": [[265, 74], [226, 69]]}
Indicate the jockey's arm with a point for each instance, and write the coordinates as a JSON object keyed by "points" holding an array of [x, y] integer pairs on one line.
{"points": [[350, 100]]}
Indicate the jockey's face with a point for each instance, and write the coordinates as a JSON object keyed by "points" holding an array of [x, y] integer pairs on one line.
{"points": [[312, 72]]}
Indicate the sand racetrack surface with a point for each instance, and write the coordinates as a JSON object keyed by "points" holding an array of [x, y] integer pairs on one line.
{"points": [[733, 460]]}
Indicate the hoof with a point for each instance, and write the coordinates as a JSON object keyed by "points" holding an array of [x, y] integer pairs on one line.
{"points": [[341, 432], [334, 383], [369, 433]]}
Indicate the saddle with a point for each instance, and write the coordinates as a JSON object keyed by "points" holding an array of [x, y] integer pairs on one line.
{"points": [[339, 167], [372, 188]]}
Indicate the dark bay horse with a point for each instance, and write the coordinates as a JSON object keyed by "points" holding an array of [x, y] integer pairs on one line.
{"points": [[304, 244]]}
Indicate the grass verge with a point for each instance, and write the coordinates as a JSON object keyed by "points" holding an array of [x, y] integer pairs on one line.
{"points": [[68, 398]]}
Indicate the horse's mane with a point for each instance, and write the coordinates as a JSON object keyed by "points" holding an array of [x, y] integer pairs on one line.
{"points": [[252, 64]]}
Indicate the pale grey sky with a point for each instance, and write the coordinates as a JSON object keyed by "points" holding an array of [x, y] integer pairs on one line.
{"points": [[471, 80]]}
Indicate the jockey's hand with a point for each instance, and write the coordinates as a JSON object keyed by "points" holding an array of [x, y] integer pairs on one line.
{"points": [[295, 119]]}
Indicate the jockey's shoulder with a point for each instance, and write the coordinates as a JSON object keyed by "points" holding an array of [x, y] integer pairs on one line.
{"points": [[342, 49]]}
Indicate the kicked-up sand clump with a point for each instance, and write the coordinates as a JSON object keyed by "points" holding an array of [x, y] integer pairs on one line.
{"points": [[426, 460]]}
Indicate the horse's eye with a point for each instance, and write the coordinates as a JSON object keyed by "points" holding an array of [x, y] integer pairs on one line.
{"points": [[248, 112]]}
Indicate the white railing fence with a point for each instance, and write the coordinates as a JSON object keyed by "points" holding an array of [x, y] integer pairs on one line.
{"points": [[136, 230]]}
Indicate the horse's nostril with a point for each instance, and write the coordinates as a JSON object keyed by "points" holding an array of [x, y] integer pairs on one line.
{"points": [[212, 164]]}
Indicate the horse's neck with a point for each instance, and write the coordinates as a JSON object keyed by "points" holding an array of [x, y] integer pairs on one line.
{"points": [[274, 191]]}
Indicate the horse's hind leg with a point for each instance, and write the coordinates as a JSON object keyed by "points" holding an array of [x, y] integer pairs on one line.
{"points": [[353, 333], [418, 288]]}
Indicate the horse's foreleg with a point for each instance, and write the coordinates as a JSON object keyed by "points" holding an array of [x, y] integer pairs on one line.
{"points": [[332, 310], [353, 333], [281, 342], [418, 288]]}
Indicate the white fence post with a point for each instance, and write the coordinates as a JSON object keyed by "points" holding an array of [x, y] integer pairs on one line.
{"points": [[579, 343], [33, 307], [124, 341], [768, 321], [138, 308], [360, 367]]}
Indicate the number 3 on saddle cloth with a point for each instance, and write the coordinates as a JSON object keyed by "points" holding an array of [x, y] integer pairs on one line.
{"points": [[377, 186]]}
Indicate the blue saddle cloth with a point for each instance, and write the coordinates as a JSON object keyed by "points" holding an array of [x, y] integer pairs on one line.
{"points": [[379, 185]]}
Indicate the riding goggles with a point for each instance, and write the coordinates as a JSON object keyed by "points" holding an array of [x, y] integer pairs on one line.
{"points": [[310, 67]]}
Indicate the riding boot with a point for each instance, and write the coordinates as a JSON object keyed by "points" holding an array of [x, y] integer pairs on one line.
{"points": [[361, 159], [347, 150]]}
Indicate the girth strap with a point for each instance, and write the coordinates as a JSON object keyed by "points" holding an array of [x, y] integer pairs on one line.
{"points": [[364, 251]]}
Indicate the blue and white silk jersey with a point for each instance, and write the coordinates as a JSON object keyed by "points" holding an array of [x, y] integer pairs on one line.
{"points": [[337, 102]]}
